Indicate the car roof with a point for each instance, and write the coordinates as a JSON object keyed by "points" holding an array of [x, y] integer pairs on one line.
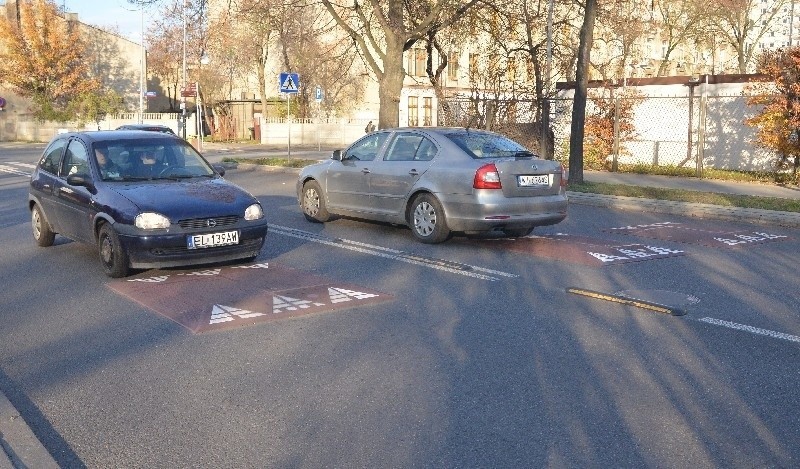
{"points": [[112, 135]]}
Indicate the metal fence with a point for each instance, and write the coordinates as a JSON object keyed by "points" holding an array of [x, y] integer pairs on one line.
{"points": [[695, 132]]}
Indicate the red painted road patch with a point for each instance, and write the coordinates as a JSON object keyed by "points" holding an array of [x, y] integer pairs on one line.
{"points": [[217, 298], [586, 250], [668, 231]]}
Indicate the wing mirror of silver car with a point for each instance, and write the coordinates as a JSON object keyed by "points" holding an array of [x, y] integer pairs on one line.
{"points": [[337, 155]]}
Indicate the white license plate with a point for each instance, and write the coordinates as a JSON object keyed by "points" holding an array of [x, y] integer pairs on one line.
{"points": [[211, 240], [529, 180]]}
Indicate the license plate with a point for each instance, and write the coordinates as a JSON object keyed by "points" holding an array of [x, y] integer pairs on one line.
{"points": [[210, 240], [530, 180]]}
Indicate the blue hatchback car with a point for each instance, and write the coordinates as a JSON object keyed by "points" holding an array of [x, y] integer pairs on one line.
{"points": [[145, 199]]}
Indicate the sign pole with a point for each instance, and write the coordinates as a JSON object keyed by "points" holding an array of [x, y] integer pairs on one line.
{"points": [[289, 127]]}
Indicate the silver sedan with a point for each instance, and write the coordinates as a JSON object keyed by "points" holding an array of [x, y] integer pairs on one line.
{"points": [[437, 181]]}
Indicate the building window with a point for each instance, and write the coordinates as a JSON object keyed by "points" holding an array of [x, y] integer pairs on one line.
{"points": [[473, 68], [413, 111], [452, 66], [427, 111], [415, 63], [511, 69]]}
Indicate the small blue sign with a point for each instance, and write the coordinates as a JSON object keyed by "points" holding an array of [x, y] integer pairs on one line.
{"points": [[289, 83], [318, 94]]}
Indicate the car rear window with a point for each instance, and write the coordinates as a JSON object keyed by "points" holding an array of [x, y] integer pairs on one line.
{"points": [[481, 145]]}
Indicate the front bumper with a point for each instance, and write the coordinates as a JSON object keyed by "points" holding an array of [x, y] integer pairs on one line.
{"points": [[161, 250]]}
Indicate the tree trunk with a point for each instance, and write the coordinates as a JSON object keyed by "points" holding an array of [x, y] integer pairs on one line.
{"points": [[390, 84], [581, 87]]}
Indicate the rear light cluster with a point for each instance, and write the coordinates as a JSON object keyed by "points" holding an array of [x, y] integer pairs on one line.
{"points": [[487, 177]]}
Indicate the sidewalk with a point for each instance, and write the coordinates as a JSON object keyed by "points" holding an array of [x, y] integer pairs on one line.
{"points": [[19, 447]]}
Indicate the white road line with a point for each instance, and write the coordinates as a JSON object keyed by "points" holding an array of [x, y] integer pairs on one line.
{"points": [[24, 165], [388, 253], [751, 329], [12, 170]]}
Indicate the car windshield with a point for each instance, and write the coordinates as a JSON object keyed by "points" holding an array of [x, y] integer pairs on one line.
{"points": [[487, 145], [145, 159]]}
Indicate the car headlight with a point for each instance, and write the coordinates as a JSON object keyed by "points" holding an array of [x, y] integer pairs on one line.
{"points": [[253, 212], [151, 221]]}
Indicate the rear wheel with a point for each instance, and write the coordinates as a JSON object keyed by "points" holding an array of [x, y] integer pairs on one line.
{"points": [[314, 203], [427, 220], [42, 233], [112, 254], [517, 232]]}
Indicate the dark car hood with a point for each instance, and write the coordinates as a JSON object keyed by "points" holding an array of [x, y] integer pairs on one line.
{"points": [[189, 198]]}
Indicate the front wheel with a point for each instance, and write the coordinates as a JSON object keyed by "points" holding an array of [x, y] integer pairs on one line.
{"points": [[427, 220], [314, 203], [42, 233], [112, 253]]}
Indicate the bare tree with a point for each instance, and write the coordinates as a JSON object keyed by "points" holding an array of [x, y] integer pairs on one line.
{"points": [[742, 24], [383, 31], [581, 88]]}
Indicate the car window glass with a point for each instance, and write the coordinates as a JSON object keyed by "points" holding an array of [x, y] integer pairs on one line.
{"points": [[367, 148], [157, 158], [76, 159], [410, 147], [486, 145], [52, 156]]}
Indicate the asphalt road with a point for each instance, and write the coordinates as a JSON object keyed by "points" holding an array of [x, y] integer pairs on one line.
{"points": [[477, 355]]}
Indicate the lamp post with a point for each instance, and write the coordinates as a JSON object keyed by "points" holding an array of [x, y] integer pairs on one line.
{"points": [[183, 89], [141, 74], [693, 82]]}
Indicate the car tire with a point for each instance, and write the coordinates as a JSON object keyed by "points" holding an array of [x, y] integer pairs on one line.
{"points": [[112, 254], [42, 233], [314, 208], [517, 232], [427, 220]]}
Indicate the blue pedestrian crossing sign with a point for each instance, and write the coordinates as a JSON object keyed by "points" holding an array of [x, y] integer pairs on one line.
{"points": [[289, 82]]}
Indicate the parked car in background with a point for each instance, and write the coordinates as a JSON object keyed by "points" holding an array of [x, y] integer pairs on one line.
{"points": [[437, 181], [147, 127], [144, 199]]}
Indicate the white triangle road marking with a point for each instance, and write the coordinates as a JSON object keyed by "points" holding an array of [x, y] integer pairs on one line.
{"points": [[157, 279], [203, 273], [222, 313], [339, 295], [264, 265]]}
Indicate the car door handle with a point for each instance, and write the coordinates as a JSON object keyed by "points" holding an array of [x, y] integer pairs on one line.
{"points": [[413, 172], [66, 190], [365, 171]]}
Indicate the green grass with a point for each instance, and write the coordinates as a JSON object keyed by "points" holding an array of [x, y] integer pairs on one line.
{"points": [[283, 162], [727, 200]]}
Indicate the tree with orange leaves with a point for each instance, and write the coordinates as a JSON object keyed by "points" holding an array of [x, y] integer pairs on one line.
{"points": [[43, 59], [778, 123]]}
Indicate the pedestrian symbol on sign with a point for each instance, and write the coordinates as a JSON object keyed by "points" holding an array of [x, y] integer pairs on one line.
{"points": [[289, 82]]}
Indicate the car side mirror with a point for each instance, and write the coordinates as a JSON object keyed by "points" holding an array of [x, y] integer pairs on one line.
{"points": [[81, 180], [337, 155], [219, 169]]}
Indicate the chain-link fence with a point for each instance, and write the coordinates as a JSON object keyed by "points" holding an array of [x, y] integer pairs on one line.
{"points": [[697, 132]]}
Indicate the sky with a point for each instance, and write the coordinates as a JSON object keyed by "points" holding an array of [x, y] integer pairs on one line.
{"points": [[109, 13]]}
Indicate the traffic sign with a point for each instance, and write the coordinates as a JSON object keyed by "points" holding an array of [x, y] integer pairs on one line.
{"points": [[289, 82], [318, 94], [190, 91], [150, 94]]}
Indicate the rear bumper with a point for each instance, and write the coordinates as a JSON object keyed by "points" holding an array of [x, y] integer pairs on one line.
{"points": [[170, 250], [493, 211]]}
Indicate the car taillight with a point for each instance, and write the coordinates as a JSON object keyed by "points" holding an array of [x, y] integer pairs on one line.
{"points": [[487, 177], [563, 176]]}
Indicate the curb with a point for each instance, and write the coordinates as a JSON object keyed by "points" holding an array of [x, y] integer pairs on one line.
{"points": [[753, 215], [19, 447]]}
